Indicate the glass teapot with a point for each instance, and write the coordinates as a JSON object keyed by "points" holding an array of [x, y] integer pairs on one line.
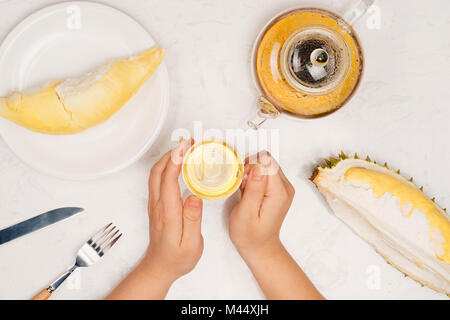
{"points": [[307, 63]]}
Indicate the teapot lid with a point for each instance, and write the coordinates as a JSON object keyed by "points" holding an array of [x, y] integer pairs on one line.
{"points": [[315, 59]]}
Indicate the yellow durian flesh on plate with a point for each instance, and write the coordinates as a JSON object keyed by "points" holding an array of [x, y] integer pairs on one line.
{"points": [[75, 104], [408, 229], [40, 111]]}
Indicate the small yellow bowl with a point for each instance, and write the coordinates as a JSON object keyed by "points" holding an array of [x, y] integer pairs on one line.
{"points": [[212, 169]]}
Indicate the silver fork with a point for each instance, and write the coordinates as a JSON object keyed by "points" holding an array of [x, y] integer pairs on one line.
{"points": [[89, 254]]}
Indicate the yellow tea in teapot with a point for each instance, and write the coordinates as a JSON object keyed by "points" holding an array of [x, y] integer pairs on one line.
{"points": [[308, 62]]}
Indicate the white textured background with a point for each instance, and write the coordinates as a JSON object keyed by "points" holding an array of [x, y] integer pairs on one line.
{"points": [[399, 115]]}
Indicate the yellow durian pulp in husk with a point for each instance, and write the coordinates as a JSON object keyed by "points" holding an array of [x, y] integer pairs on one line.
{"points": [[391, 213], [75, 104], [406, 194]]}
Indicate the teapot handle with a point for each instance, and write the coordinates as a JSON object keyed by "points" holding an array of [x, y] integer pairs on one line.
{"points": [[357, 10], [265, 110]]}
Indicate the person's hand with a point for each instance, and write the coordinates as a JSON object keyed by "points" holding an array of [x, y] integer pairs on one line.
{"points": [[256, 220], [176, 242], [255, 225]]}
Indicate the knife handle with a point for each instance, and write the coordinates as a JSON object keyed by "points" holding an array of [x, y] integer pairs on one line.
{"points": [[43, 295]]}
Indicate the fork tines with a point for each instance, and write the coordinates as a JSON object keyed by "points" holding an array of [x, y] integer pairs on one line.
{"points": [[103, 240]]}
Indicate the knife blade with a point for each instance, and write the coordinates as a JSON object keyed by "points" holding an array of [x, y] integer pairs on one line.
{"points": [[37, 223]]}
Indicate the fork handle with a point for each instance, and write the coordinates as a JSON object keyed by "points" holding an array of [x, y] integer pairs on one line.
{"points": [[46, 293], [43, 295]]}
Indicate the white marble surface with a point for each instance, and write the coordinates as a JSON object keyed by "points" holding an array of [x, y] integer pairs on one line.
{"points": [[399, 115]]}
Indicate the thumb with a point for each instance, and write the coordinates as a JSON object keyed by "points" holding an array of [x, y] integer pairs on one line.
{"points": [[255, 189], [192, 219]]}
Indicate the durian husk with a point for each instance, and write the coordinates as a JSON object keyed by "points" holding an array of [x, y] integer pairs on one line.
{"points": [[75, 104], [433, 271]]}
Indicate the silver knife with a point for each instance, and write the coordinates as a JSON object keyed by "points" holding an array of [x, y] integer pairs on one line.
{"points": [[36, 223]]}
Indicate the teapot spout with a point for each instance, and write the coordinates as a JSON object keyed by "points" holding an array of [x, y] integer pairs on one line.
{"points": [[266, 110]]}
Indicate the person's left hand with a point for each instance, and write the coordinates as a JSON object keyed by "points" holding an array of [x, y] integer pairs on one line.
{"points": [[176, 242]]}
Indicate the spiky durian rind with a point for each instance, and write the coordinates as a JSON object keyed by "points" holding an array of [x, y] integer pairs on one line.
{"points": [[331, 162], [406, 275]]}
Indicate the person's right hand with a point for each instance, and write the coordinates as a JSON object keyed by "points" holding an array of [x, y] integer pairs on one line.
{"points": [[255, 225], [256, 220]]}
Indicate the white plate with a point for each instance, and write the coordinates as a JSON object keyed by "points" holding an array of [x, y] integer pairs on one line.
{"points": [[66, 40]]}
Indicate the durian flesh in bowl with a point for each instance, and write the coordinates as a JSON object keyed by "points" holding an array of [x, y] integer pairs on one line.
{"points": [[391, 213]]}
